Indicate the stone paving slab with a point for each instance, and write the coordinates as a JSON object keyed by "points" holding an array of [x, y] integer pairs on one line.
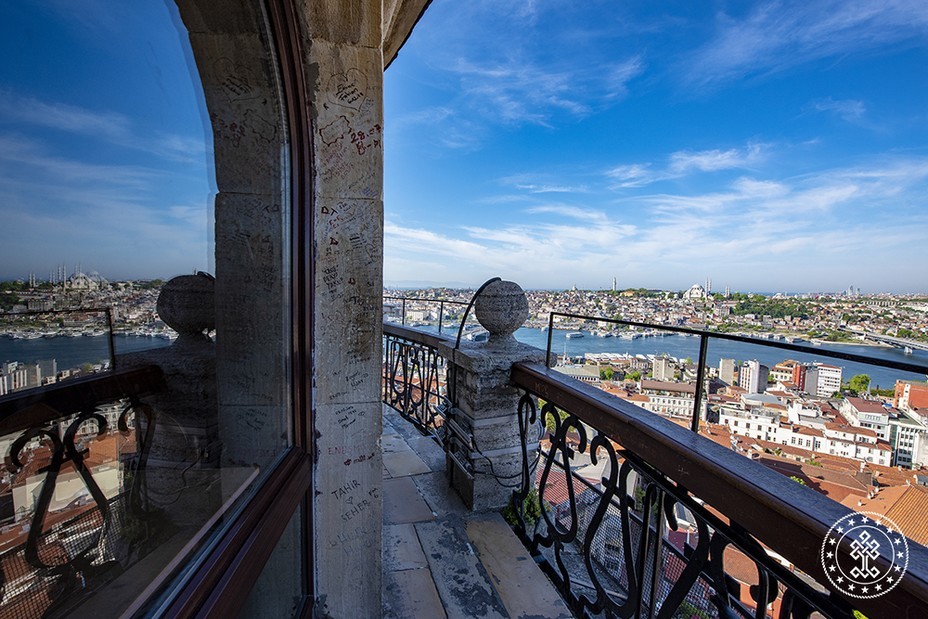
{"points": [[443, 499], [400, 425], [391, 443], [404, 463], [430, 451], [459, 577], [411, 594], [388, 429], [401, 548], [519, 582], [402, 502], [440, 559]]}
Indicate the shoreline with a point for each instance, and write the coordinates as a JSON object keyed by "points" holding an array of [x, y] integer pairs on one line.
{"points": [[856, 343]]}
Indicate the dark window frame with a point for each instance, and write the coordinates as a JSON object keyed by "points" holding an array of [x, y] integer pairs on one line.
{"points": [[221, 583]]}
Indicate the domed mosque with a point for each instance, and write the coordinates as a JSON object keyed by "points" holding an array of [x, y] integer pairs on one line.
{"points": [[695, 292], [83, 281]]}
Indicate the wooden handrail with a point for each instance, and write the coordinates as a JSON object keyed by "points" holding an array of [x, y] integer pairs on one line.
{"points": [[427, 338], [22, 410]]}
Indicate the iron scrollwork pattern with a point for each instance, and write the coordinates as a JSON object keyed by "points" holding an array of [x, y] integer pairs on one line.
{"points": [[414, 378], [619, 539], [88, 548]]}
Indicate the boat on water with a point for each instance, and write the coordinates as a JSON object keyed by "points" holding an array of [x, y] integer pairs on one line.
{"points": [[907, 350], [481, 335], [574, 335]]}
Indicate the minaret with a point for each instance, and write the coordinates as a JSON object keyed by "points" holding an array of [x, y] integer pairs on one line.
{"points": [[613, 284]]}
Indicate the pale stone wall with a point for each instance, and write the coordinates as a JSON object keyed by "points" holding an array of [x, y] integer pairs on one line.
{"points": [[345, 82]]}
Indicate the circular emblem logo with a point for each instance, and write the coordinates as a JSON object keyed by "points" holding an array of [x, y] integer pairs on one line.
{"points": [[862, 537]]}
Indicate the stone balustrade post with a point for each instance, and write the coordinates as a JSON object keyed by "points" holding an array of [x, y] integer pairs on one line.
{"points": [[486, 471]]}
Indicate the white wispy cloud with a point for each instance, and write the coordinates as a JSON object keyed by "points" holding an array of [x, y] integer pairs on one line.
{"points": [[713, 160], [777, 35], [684, 162], [518, 91], [849, 110], [107, 215], [105, 125], [805, 222], [634, 175], [541, 183], [64, 117], [572, 212]]}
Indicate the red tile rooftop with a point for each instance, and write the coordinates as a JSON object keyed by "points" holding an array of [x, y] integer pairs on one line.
{"points": [[867, 406], [844, 427], [906, 506]]}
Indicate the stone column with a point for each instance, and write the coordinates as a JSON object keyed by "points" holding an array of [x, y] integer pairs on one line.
{"points": [[485, 471], [344, 79]]}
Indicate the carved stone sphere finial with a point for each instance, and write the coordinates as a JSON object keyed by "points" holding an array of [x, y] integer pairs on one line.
{"points": [[186, 304], [501, 308]]}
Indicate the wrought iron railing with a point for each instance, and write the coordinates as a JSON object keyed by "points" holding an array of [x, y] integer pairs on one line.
{"points": [[404, 302], [653, 530], [415, 376], [51, 557]]}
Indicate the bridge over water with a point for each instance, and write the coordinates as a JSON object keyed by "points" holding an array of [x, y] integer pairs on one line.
{"points": [[898, 342]]}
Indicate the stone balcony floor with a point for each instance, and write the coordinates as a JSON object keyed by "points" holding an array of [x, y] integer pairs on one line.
{"points": [[441, 560]]}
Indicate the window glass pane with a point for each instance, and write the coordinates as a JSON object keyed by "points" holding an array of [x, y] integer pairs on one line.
{"points": [[278, 592], [144, 303]]}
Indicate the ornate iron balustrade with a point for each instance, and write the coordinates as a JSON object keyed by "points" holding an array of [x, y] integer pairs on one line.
{"points": [[415, 376], [85, 544], [442, 303], [619, 546]]}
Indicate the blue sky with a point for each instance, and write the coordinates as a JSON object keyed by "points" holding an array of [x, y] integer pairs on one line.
{"points": [[103, 152], [769, 146]]}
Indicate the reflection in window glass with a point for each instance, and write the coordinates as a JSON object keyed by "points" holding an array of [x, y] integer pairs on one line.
{"points": [[144, 311]]}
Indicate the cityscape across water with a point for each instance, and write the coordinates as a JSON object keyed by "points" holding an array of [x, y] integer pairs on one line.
{"points": [[682, 347]]}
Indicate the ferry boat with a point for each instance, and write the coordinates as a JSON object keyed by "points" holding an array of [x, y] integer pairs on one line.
{"points": [[574, 335], [481, 335]]}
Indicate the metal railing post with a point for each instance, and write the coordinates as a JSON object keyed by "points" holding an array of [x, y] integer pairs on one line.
{"points": [[550, 332], [700, 377], [403, 317], [441, 314], [112, 343]]}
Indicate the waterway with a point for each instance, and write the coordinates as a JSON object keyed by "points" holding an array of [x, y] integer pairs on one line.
{"points": [[682, 347], [72, 352]]}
